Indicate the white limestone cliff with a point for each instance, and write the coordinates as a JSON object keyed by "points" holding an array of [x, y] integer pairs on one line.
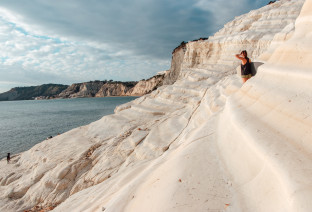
{"points": [[253, 32], [204, 143], [146, 86], [268, 128]]}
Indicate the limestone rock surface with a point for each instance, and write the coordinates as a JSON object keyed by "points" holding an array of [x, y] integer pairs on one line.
{"points": [[147, 86], [203, 143], [254, 32]]}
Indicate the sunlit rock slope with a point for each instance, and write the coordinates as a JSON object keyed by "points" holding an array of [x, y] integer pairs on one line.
{"points": [[253, 32], [265, 130], [203, 143]]}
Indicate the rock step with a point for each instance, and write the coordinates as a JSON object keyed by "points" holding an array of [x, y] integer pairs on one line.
{"points": [[304, 75], [163, 100], [161, 105], [202, 74], [217, 95], [182, 99], [201, 71], [194, 77], [146, 109], [181, 90], [261, 152], [293, 107]]}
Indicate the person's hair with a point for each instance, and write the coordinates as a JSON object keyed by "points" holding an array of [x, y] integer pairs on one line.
{"points": [[244, 52]]}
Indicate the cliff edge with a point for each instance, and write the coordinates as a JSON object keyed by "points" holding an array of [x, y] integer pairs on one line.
{"points": [[32, 92]]}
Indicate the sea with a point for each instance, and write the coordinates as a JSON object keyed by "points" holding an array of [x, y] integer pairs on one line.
{"points": [[26, 123]]}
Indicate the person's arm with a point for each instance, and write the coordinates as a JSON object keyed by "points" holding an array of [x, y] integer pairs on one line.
{"points": [[239, 56]]}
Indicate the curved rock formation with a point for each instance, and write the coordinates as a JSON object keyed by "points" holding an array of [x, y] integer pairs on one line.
{"points": [[266, 136], [200, 144]]}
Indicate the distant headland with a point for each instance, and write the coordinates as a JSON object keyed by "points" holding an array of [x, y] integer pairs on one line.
{"points": [[95, 88]]}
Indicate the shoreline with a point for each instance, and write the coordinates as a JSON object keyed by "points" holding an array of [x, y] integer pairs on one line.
{"points": [[67, 98], [30, 123]]}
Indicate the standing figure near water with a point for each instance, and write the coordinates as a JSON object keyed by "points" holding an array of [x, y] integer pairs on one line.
{"points": [[8, 158], [245, 66]]}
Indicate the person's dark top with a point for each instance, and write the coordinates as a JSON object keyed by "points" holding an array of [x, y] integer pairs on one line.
{"points": [[246, 69]]}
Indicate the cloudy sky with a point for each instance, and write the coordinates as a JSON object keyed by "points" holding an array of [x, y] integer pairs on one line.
{"points": [[72, 41]]}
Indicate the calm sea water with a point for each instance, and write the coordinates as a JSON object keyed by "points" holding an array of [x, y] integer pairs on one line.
{"points": [[26, 123]]}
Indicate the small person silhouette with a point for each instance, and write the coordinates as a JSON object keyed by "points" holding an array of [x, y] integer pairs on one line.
{"points": [[8, 158], [245, 66]]}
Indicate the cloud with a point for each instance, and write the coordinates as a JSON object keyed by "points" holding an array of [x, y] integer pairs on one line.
{"points": [[224, 11], [146, 27], [76, 40], [33, 59]]}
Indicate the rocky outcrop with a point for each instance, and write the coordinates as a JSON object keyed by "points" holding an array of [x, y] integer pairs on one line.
{"points": [[86, 89], [176, 64], [115, 89], [112, 88], [271, 2], [97, 89], [253, 32], [45, 91], [147, 86]]}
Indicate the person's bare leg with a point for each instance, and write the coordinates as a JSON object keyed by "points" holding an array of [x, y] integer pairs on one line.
{"points": [[244, 79]]}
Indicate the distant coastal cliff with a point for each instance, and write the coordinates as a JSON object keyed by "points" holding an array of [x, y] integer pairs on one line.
{"points": [[32, 92], [86, 89]]}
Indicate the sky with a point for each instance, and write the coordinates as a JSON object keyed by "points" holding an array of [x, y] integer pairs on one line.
{"points": [[74, 41]]}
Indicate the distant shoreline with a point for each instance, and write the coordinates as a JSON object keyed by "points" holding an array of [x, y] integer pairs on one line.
{"points": [[26, 123], [65, 98], [89, 89]]}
